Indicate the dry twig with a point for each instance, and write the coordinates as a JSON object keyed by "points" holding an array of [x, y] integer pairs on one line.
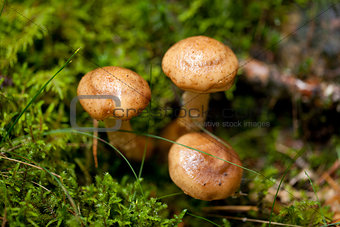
{"points": [[28, 164], [245, 219], [231, 208], [334, 167]]}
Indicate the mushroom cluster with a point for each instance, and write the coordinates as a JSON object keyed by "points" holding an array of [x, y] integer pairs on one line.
{"points": [[200, 165]]}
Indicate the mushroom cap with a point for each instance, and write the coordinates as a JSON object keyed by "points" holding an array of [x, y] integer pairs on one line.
{"points": [[202, 176], [200, 64], [131, 89]]}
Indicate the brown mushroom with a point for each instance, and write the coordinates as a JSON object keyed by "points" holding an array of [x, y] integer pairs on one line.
{"points": [[202, 176], [134, 95], [198, 65]]}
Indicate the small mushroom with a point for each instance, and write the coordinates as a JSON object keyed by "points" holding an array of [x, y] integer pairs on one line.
{"points": [[134, 95], [199, 65], [202, 176]]}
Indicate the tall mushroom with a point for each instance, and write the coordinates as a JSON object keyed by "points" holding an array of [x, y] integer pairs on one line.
{"points": [[199, 65], [202, 176], [134, 95]]}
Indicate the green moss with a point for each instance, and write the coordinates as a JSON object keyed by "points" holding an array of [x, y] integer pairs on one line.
{"points": [[303, 213]]}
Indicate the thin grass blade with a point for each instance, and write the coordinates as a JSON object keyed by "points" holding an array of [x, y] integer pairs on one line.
{"points": [[207, 220], [317, 198], [36, 95]]}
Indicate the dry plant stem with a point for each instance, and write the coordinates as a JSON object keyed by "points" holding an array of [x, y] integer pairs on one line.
{"points": [[25, 163], [194, 110], [334, 167], [130, 144], [245, 219], [40, 186], [332, 182], [4, 219], [232, 208]]}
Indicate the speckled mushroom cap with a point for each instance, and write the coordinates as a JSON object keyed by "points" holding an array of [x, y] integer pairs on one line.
{"points": [[200, 64], [202, 176], [131, 89]]}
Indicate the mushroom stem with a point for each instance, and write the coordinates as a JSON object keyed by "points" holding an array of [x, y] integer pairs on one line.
{"points": [[193, 113], [194, 110], [130, 144]]}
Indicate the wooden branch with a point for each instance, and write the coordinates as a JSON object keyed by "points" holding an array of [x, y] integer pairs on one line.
{"points": [[312, 89]]}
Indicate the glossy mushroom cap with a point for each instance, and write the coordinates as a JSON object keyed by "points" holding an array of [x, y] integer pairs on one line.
{"points": [[132, 90], [200, 64], [202, 176]]}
